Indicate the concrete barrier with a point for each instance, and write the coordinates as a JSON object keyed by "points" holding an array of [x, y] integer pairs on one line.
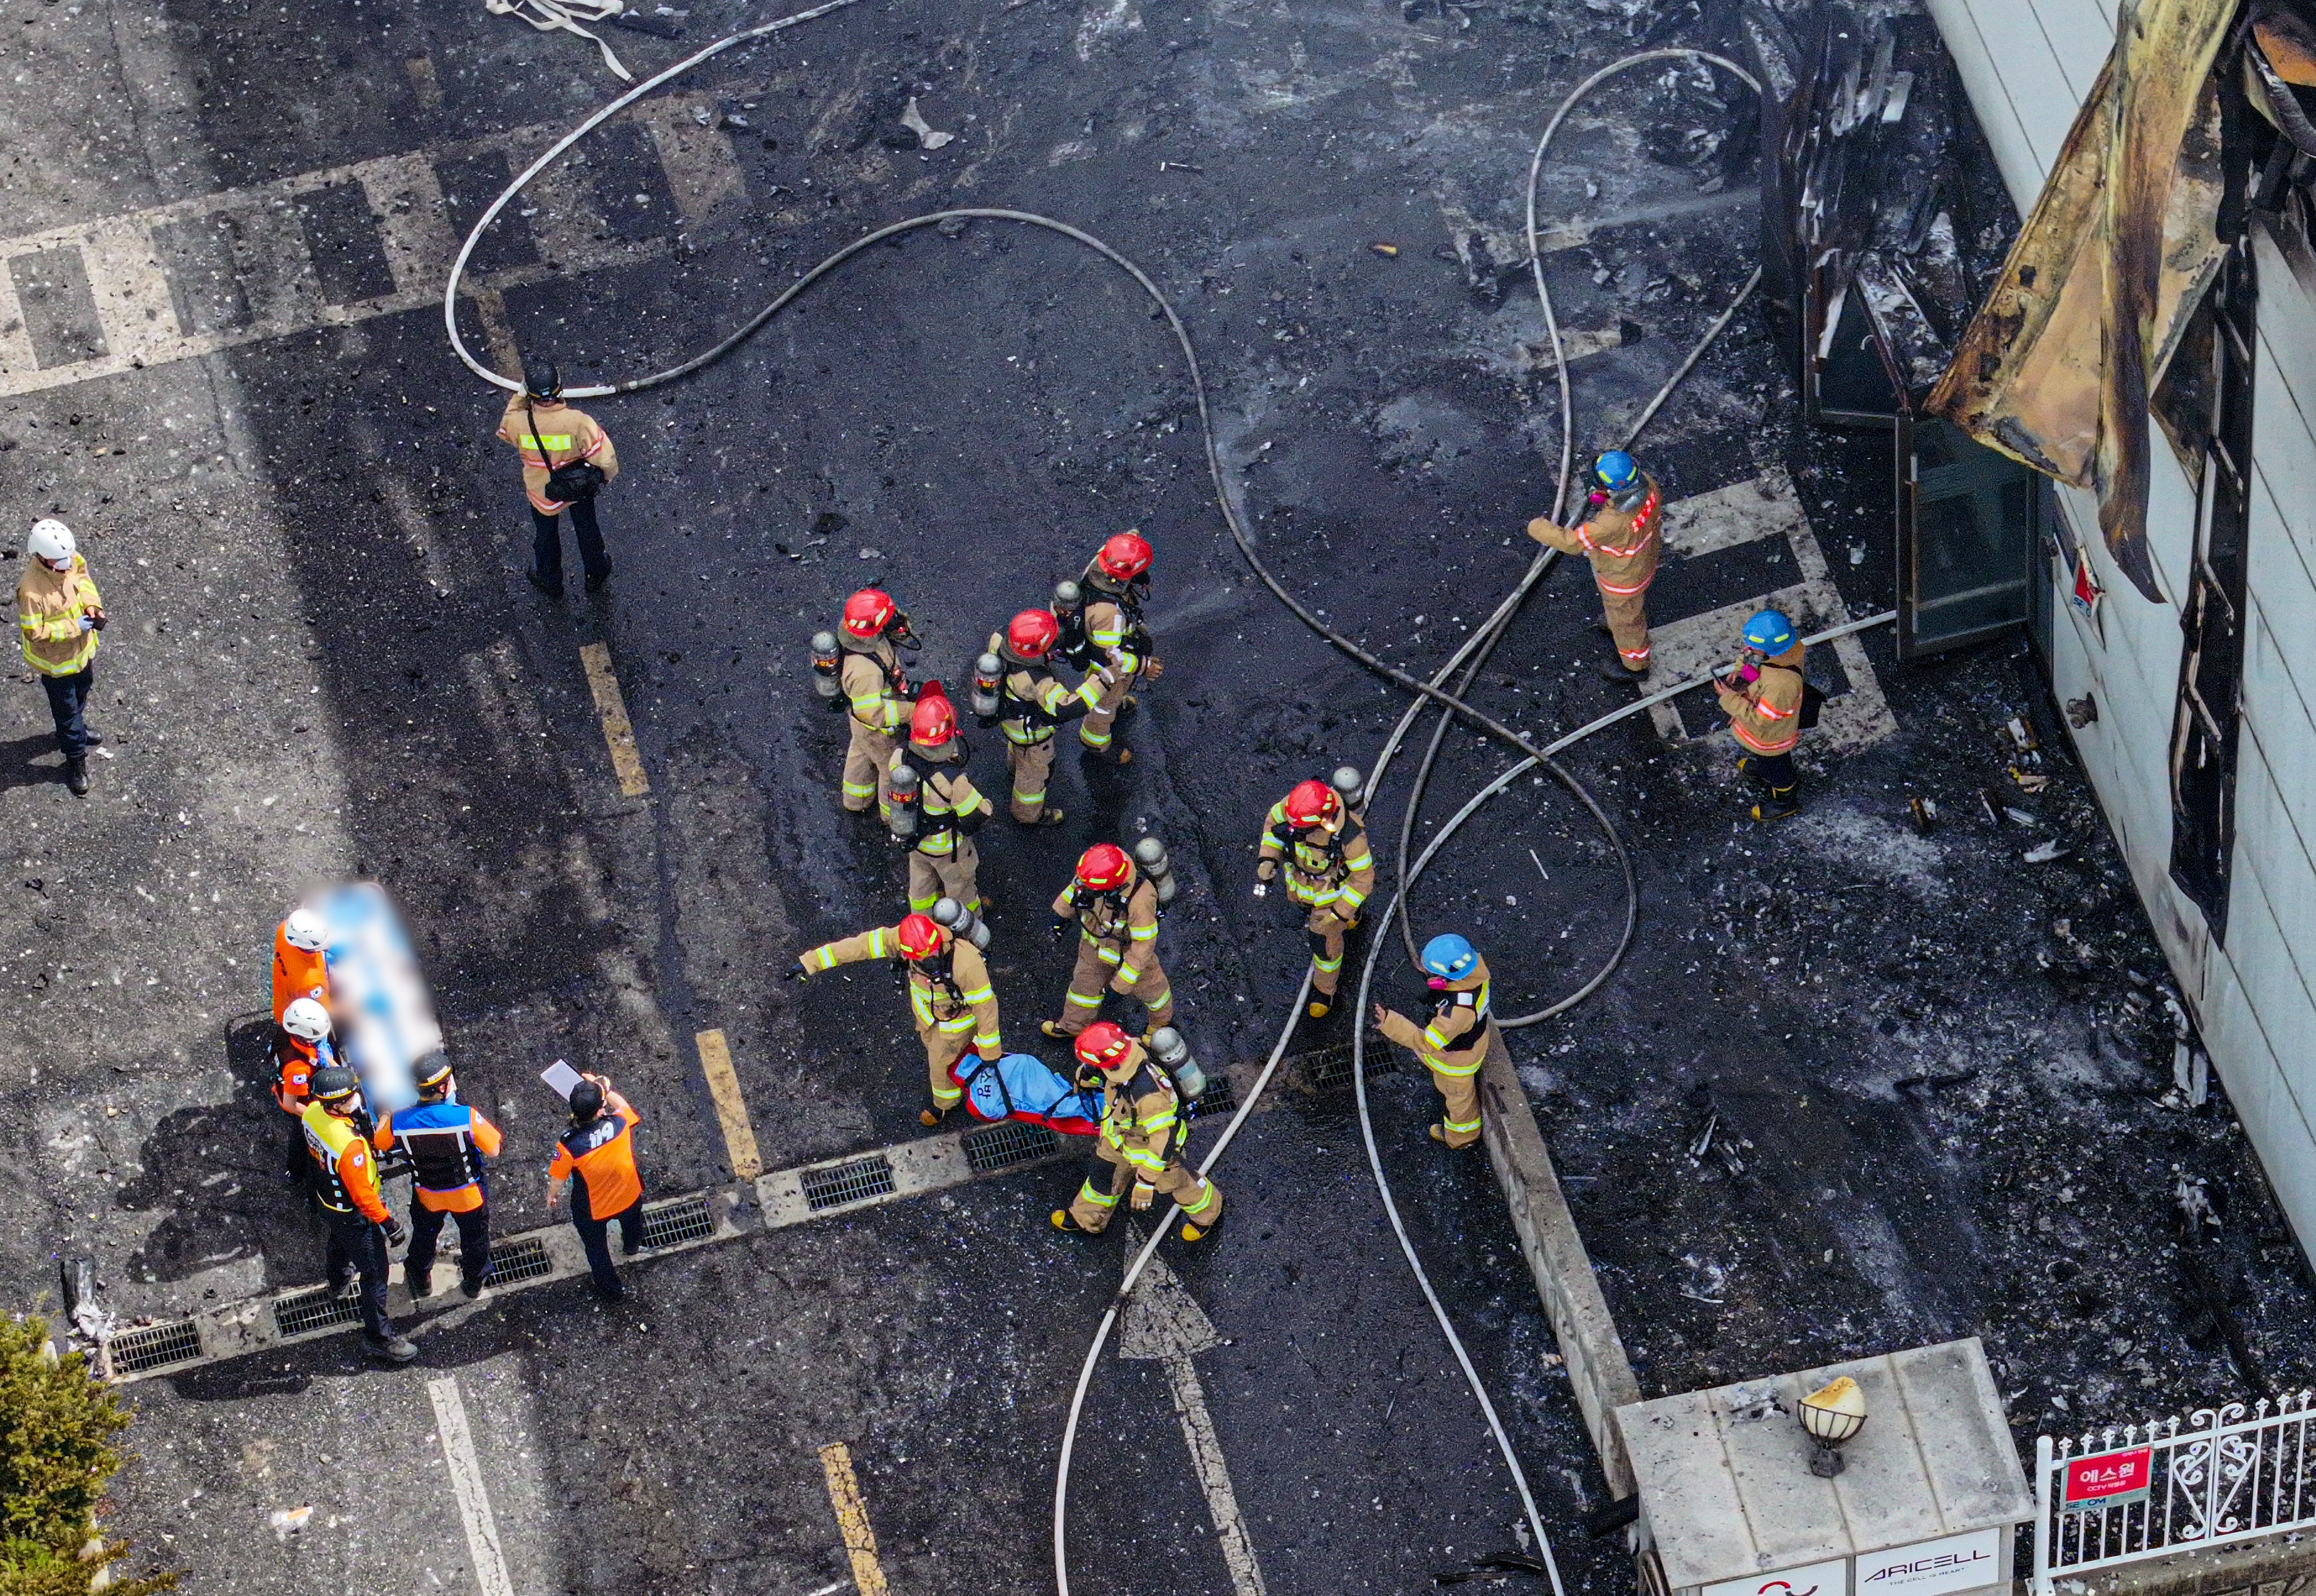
{"points": [[1597, 1369]]}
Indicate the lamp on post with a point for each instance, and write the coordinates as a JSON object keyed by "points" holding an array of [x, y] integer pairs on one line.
{"points": [[1831, 1417]]}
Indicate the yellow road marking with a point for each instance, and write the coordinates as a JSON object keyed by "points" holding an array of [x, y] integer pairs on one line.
{"points": [[852, 1517], [618, 732], [724, 1086]]}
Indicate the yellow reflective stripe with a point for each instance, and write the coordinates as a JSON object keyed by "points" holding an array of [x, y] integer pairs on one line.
{"points": [[1106, 953], [1089, 689], [953, 1027], [1146, 934], [1361, 860], [1350, 899], [1457, 1070], [987, 1038], [1101, 1199], [1206, 1189], [825, 953], [979, 995], [1457, 1126], [876, 943], [1158, 1121], [1142, 1160]]}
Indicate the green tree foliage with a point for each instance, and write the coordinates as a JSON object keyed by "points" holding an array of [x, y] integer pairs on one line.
{"points": [[57, 1426]]}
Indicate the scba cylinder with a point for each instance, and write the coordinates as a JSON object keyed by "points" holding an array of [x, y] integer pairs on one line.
{"points": [[1150, 855], [823, 665], [1168, 1048], [962, 921], [988, 675], [901, 816]]}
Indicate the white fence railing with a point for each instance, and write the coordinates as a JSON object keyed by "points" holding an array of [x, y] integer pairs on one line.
{"points": [[2219, 1475]]}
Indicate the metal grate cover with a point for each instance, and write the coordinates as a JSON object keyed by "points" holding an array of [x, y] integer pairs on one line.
{"points": [[840, 1183], [1007, 1142], [686, 1220], [524, 1260], [1216, 1099], [149, 1346], [320, 1308]]}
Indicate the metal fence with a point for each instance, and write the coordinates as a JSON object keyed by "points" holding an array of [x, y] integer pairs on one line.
{"points": [[2219, 1475]]}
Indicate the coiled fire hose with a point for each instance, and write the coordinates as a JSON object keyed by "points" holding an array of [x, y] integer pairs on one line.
{"points": [[1474, 650]]}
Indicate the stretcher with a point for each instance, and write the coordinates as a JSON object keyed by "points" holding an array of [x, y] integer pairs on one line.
{"points": [[1023, 1086], [384, 1013]]}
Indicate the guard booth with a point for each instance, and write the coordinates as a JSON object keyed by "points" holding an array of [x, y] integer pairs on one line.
{"points": [[1927, 1501]]}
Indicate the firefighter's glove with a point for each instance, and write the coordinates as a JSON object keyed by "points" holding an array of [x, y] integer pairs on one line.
{"points": [[795, 972], [1144, 1195], [1152, 669], [1062, 924], [397, 1232]]}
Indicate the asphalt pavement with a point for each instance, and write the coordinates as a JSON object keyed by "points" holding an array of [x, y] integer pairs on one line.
{"points": [[325, 662]]}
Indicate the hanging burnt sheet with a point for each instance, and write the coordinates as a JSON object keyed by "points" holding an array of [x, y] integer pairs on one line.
{"points": [[2057, 367], [1867, 213]]}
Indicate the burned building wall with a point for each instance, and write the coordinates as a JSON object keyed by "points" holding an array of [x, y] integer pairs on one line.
{"points": [[2028, 65]]}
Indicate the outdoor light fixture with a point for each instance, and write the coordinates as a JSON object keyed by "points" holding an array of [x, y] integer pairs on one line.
{"points": [[1832, 1416]]}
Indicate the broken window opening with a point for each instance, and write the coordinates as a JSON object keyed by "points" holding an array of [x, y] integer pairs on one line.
{"points": [[2207, 721]]}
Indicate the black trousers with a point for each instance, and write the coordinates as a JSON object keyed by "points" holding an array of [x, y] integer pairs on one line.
{"points": [[474, 1241], [1774, 770], [358, 1247], [546, 542], [68, 699], [595, 1235]]}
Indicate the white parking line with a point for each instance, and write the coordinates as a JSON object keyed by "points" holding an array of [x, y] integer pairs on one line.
{"points": [[1765, 506], [466, 1485]]}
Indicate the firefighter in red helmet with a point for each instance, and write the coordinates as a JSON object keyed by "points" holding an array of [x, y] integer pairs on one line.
{"points": [[1031, 702], [1115, 585], [1116, 909], [943, 861], [949, 995], [876, 692], [1315, 834], [1141, 1139]]}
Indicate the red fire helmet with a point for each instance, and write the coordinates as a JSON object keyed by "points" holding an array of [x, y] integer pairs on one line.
{"points": [[1312, 803], [1033, 633], [1101, 1044], [921, 937], [1124, 557], [933, 721], [1104, 866], [866, 614]]}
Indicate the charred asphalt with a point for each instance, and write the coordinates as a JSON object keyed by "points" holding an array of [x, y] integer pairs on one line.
{"points": [[1931, 1109]]}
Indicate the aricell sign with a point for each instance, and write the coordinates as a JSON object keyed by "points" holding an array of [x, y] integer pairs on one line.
{"points": [[1933, 1567], [2107, 1479]]}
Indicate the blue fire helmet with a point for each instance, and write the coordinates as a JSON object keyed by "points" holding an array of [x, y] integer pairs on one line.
{"points": [[1770, 632], [1450, 956], [1616, 472]]}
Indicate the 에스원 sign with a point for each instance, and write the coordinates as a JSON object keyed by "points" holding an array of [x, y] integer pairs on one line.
{"points": [[1933, 1567], [2107, 1479]]}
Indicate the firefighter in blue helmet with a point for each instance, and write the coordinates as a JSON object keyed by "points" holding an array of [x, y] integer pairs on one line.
{"points": [[1619, 537], [1765, 699], [1456, 1042]]}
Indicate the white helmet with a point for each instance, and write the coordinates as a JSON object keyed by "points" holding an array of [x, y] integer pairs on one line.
{"points": [[306, 1019], [52, 540], [304, 930]]}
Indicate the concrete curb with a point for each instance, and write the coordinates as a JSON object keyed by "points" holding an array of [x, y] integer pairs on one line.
{"points": [[1597, 1369]]}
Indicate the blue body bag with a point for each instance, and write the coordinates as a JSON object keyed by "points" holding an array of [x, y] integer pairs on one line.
{"points": [[1022, 1086]]}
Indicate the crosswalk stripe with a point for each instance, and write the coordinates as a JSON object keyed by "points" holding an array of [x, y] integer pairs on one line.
{"points": [[137, 309]]}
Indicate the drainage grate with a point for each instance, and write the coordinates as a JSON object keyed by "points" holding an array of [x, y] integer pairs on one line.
{"points": [[523, 1259], [686, 1220], [149, 1346], [1216, 1099], [848, 1182], [320, 1308], [1011, 1141]]}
